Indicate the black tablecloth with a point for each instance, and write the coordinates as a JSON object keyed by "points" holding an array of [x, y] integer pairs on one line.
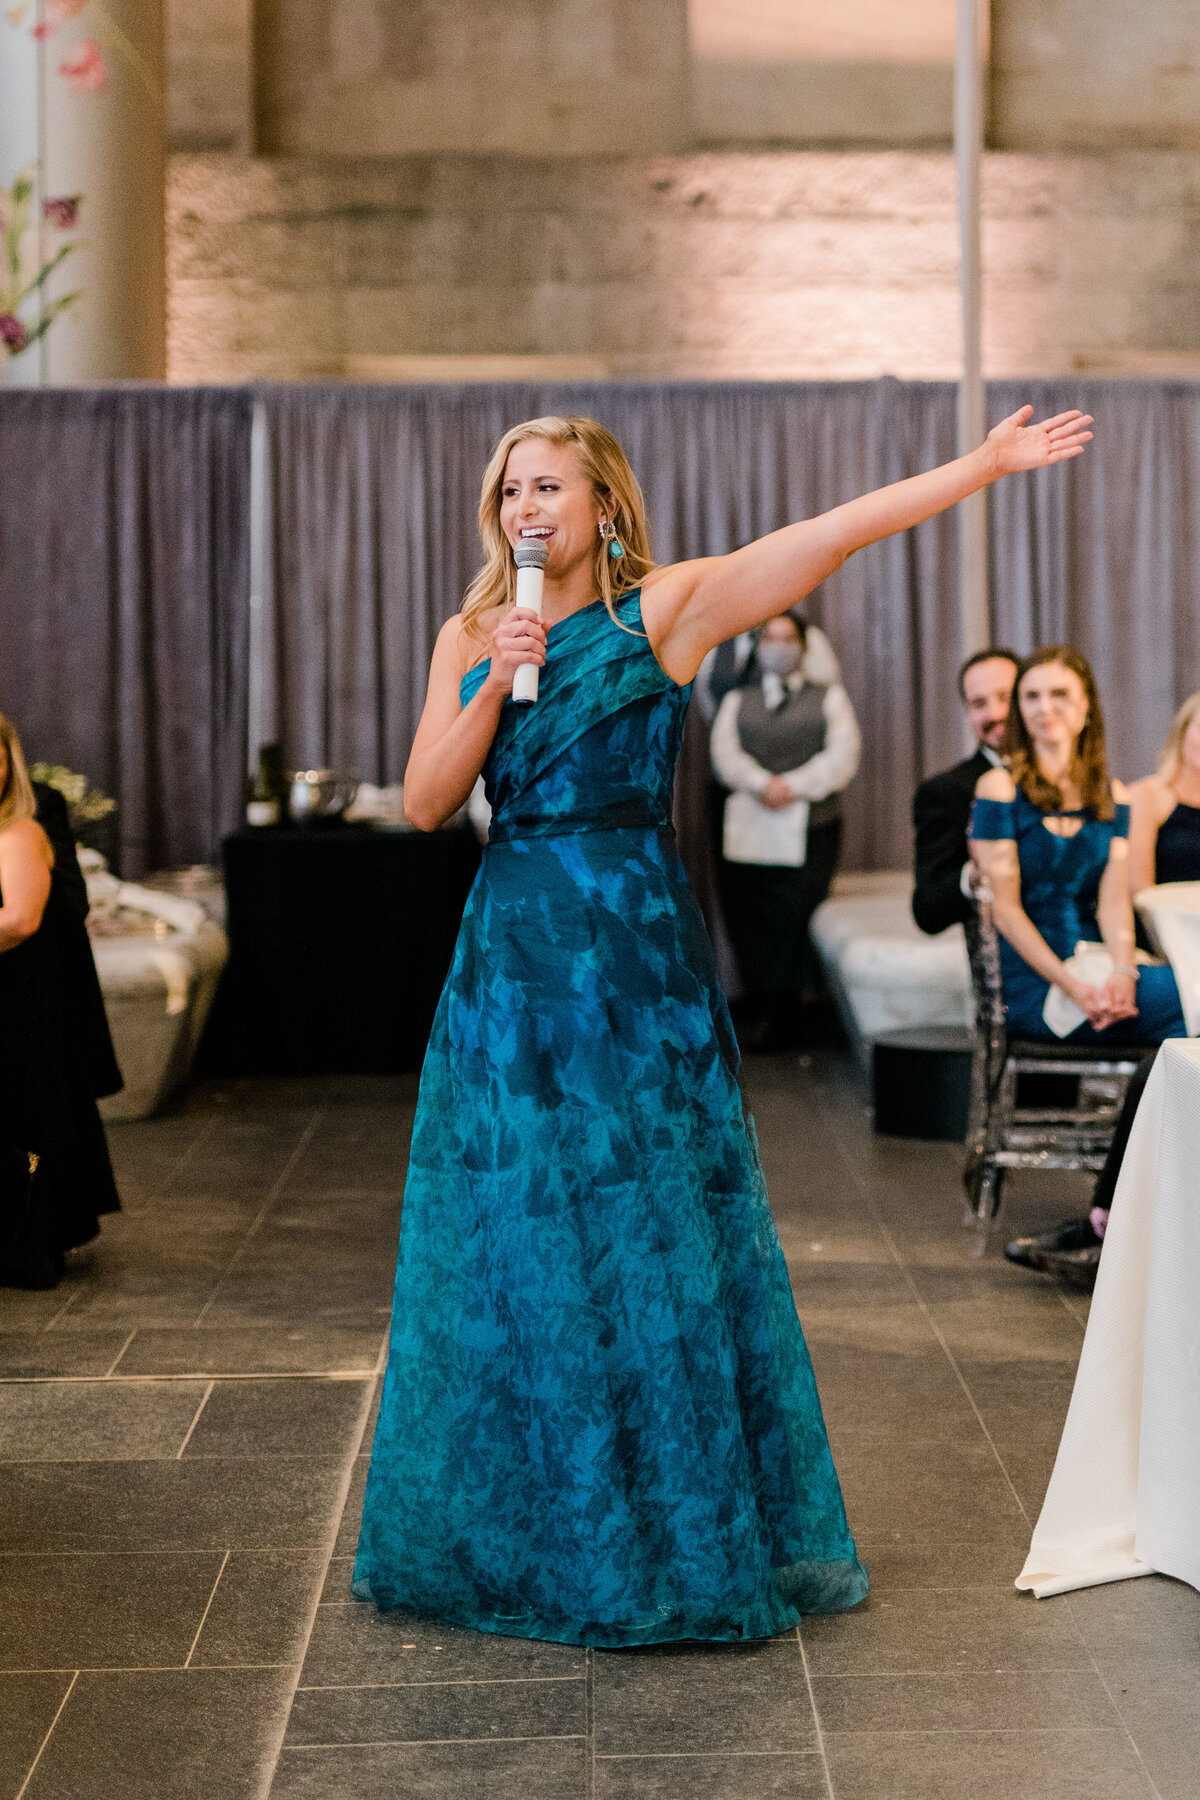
{"points": [[340, 939]]}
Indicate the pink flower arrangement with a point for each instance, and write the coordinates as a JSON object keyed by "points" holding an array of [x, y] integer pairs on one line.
{"points": [[62, 213], [12, 333], [83, 68], [17, 285]]}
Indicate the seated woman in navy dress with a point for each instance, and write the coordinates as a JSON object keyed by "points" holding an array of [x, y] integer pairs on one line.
{"points": [[1164, 824], [1050, 833]]}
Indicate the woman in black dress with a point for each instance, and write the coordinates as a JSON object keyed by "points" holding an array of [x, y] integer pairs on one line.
{"points": [[56, 1055], [1164, 825]]}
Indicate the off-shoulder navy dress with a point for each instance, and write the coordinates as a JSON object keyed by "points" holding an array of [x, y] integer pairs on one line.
{"points": [[1060, 890], [599, 1422]]}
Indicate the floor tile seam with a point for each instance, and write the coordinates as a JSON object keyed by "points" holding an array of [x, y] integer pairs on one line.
{"points": [[977, 1731], [1114, 1702], [112, 1368], [64, 1308], [151, 1669], [888, 1237], [179, 1550], [169, 1456], [198, 1141], [691, 1755], [329, 1548], [32, 1769], [1033, 1670], [371, 1687], [815, 1711], [1065, 1302], [273, 1194], [189, 1375], [204, 1400], [561, 1737], [204, 1615]]}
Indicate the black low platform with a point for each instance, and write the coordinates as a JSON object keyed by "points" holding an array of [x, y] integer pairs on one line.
{"points": [[922, 1082]]}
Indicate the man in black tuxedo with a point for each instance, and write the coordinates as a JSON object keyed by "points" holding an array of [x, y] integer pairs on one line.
{"points": [[942, 804]]}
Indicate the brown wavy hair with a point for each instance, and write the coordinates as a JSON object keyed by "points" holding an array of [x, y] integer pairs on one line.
{"points": [[1089, 763], [614, 483]]}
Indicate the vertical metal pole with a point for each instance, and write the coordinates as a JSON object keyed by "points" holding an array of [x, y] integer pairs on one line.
{"points": [[971, 48], [260, 709]]}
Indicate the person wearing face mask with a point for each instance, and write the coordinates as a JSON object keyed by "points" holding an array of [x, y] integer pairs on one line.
{"points": [[784, 747], [942, 803]]}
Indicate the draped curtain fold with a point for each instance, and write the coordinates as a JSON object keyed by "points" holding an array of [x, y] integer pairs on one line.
{"points": [[124, 559], [124, 569]]}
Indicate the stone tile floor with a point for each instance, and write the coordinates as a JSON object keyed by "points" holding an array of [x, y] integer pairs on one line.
{"points": [[183, 1428]]}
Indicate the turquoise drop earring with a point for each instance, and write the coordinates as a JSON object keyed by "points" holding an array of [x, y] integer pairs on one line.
{"points": [[616, 548]]}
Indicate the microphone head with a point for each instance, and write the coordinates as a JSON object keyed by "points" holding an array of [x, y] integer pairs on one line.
{"points": [[531, 553]]}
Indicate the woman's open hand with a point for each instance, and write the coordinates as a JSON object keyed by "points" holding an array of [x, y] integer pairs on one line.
{"points": [[1016, 444], [520, 637]]}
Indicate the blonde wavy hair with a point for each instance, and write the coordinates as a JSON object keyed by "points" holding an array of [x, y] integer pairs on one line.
{"points": [[614, 484], [1171, 760], [16, 795]]}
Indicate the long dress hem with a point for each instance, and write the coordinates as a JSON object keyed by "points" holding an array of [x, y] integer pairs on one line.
{"points": [[803, 1591]]}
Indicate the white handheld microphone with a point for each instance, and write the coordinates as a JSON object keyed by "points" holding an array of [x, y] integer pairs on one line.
{"points": [[530, 556]]}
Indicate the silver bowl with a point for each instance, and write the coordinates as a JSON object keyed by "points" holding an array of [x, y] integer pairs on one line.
{"points": [[319, 794]]}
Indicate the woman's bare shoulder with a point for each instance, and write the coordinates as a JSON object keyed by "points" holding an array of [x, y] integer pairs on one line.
{"points": [[458, 648], [25, 837], [471, 643], [1151, 797], [996, 784], [1120, 793]]}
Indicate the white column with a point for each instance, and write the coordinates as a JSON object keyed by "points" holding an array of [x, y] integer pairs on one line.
{"points": [[971, 50], [82, 118]]}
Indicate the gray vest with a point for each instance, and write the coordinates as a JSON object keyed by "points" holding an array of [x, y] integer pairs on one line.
{"points": [[789, 736]]}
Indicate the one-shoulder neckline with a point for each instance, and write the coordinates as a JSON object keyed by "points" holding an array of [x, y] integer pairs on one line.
{"points": [[621, 600]]}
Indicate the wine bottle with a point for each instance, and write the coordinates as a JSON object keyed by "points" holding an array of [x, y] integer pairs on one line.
{"points": [[264, 790]]}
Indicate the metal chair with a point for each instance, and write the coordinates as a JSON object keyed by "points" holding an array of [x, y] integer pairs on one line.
{"points": [[1002, 1133]]}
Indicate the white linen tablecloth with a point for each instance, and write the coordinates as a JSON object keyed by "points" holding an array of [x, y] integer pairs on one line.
{"points": [[1172, 914], [1124, 1498]]}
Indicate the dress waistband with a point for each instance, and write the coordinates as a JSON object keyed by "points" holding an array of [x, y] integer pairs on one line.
{"points": [[519, 835]]}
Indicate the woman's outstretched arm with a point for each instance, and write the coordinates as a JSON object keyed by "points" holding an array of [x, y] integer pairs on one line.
{"points": [[690, 607]]}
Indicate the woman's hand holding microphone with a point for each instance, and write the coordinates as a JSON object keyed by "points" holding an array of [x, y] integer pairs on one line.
{"points": [[520, 637]]}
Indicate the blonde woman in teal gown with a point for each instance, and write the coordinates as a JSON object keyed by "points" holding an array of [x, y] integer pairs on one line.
{"points": [[599, 1423]]}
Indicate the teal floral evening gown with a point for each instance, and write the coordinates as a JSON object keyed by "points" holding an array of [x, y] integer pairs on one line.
{"points": [[599, 1423]]}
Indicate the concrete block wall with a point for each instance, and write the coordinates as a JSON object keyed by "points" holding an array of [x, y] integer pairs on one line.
{"points": [[548, 77], [1099, 75], [788, 265], [637, 77]]}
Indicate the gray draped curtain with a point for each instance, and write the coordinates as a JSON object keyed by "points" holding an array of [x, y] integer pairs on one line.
{"points": [[124, 569], [374, 493]]}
